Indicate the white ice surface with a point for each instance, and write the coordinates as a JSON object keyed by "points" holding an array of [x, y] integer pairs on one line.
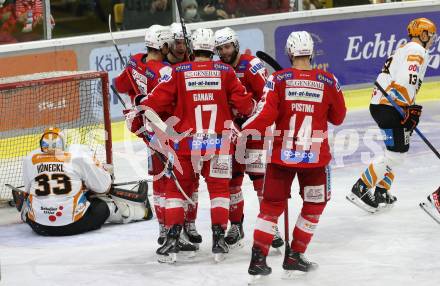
{"points": [[400, 247]]}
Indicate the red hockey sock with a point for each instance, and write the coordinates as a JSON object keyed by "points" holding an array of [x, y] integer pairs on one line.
{"points": [[305, 226]]}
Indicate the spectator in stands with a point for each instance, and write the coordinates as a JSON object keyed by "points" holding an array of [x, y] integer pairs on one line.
{"points": [[213, 10], [260, 7], [311, 4], [7, 23], [190, 11], [143, 13], [343, 3]]}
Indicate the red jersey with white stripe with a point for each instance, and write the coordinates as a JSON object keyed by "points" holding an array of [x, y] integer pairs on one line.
{"points": [[140, 76], [300, 103], [203, 94], [252, 74]]}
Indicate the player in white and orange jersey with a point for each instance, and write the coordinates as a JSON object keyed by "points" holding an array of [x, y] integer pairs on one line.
{"points": [[401, 77], [59, 184]]}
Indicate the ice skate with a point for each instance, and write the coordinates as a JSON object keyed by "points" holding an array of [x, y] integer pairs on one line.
{"points": [[277, 241], [384, 199], [258, 268], [162, 234], [167, 253], [296, 263], [235, 235], [432, 206], [219, 246], [191, 232], [362, 197]]}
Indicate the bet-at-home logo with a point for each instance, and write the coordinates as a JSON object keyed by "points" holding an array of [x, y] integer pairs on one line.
{"points": [[360, 49]]}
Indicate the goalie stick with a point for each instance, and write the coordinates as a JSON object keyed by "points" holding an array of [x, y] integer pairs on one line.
{"points": [[388, 97]]}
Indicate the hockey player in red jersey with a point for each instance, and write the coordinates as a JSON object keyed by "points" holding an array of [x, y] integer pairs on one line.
{"points": [[141, 75], [178, 53], [300, 101], [203, 93], [252, 74]]}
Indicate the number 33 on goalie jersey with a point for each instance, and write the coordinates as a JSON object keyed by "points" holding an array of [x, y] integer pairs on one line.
{"points": [[300, 103], [57, 184], [402, 75]]}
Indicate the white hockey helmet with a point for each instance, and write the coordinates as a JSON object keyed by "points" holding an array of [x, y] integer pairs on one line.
{"points": [[157, 36], [203, 40], [224, 36], [299, 44], [177, 32], [52, 140]]}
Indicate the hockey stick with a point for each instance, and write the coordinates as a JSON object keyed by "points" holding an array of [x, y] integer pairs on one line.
{"points": [[269, 60], [161, 156], [185, 34], [399, 109], [130, 77]]}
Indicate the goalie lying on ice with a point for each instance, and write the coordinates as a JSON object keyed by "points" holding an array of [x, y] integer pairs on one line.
{"points": [[69, 192]]}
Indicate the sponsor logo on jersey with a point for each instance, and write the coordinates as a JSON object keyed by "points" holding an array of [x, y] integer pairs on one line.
{"points": [[183, 67], [221, 67], [270, 85], [207, 142], [302, 107], [239, 74], [305, 94], [202, 73], [255, 68], [284, 76], [294, 156], [314, 194], [324, 79], [203, 84]]}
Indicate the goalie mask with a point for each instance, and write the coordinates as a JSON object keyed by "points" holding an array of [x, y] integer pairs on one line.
{"points": [[226, 36], [299, 44], [52, 140]]}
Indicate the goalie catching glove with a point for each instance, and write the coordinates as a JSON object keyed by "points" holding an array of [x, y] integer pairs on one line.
{"points": [[411, 117]]}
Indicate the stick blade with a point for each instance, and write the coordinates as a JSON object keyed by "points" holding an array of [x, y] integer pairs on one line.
{"points": [[269, 60]]}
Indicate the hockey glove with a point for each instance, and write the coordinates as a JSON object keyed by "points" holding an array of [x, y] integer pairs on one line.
{"points": [[133, 120], [412, 116]]}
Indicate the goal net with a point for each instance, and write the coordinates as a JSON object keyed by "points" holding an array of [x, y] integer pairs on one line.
{"points": [[76, 102]]}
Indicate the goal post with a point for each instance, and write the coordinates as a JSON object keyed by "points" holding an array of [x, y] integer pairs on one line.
{"points": [[76, 102]]}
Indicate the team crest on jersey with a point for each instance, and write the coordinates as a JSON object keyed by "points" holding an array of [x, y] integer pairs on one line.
{"points": [[324, 79], [256, 65], [221, 67], [183, 67], [284, 76], [242, 65], [150, 74]]}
